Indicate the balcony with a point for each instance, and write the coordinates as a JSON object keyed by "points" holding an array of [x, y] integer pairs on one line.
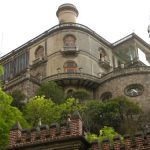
{"points": [[39, 61], [104, 63], [75, 79], [67, 50]]}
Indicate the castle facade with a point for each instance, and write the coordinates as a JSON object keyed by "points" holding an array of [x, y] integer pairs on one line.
{"points": [[77, 57]]}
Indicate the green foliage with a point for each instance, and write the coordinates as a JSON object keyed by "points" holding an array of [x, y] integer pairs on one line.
{"points": [[48, 111], [108, 132], [91, 115], [126, 107], [81, 95], [69, 106], [1, 70], [117, 113], [18, 98], [8, 117], [40, 107], [4, 131], [104, 133], [91, 137], [1, 73], [51, 91]]}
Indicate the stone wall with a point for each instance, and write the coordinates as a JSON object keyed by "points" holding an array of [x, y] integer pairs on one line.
{"points": [[27, 83], [119, 80]]}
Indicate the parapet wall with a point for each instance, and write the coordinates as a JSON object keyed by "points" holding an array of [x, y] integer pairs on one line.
{"points": [[70, 133], [138, 142], [22, 137]]}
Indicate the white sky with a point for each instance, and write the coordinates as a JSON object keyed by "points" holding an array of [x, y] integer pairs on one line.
{"points": [[22, 20]]}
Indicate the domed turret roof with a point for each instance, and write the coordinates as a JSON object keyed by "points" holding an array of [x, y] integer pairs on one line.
{"points": [[67, 6]]}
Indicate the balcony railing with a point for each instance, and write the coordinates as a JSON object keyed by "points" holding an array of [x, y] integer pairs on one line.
{"points": [[125, 71], [39, 60], [69, 50], [104, 63], [81, 76], [84, 76]]}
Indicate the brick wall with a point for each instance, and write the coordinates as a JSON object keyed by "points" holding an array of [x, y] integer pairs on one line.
{"points": [[136, 142], [72, 127]]}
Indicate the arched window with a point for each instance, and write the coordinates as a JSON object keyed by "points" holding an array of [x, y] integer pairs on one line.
{"points": [[69, 40], [106, 96], [102, 54], [70, 67], [39, 52]]}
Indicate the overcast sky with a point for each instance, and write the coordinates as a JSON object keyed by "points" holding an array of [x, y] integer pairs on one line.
{"points": [[22, 20]]}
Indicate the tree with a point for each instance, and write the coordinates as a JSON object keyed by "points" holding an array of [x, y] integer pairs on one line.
{"points": [[18, 99], [81, 95], [1, 73], [117, 113], [9, 115], [48, 111], [1, 70], [41, 108], [69, 106], [51, 90]]}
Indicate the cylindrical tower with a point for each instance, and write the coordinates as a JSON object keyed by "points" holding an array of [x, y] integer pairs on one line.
{"points": [[67, 13]]}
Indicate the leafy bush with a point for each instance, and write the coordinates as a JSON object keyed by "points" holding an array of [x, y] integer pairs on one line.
{"points": [[50, 90]]}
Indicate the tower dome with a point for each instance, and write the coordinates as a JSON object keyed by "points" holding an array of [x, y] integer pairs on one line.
{"points": [[67, 13]]}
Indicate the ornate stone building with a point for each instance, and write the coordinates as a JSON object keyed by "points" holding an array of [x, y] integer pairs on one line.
{"points": [[76, 57]]}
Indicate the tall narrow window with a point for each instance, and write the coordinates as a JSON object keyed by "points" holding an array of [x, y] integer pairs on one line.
{"points": [[16, 65], [102, 55], [70, 67]]}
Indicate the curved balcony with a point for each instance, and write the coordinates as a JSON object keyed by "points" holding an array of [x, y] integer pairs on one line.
{"points": [[77, 79], [69, 50], [125, 71]]}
